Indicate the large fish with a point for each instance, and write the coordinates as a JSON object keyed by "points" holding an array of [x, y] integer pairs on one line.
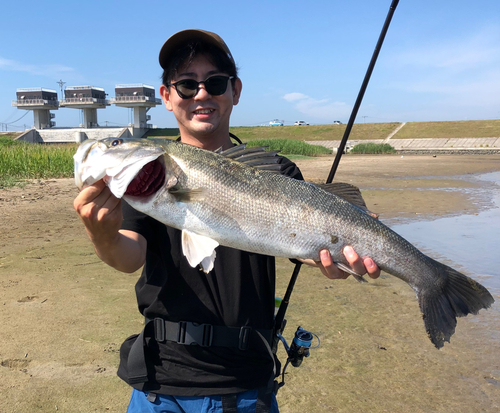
{"points": [[219, 198]]}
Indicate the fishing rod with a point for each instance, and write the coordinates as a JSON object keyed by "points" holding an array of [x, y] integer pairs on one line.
{"points": [[280, 316], [361, 93]]}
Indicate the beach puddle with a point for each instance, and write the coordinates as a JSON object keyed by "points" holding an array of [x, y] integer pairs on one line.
{"points": [[469, 243]]}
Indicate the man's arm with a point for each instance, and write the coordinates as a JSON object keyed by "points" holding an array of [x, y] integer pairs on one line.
{"points": [[102, 216]]}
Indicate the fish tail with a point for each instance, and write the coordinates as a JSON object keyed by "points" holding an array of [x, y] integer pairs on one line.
{"points": [[456, 296]]}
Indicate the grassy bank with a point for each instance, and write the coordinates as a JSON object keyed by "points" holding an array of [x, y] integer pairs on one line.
{"points": [[315, 132], [362, 131], [448, 130], [290, 147], [373, 148], [20, 161]]}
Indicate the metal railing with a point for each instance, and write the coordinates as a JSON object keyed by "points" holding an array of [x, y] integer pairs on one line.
{"points": [[134, 85], [69, 101], [35, 102], [118, 99]]}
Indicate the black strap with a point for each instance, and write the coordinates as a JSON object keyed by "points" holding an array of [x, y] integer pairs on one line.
{"points": [[188, 333], [264, 396], [235, 138], [229, 403], [263, 403], [136, 363], [206, 335]]}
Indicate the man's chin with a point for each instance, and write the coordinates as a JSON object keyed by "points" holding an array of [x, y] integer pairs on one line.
{"points": [[205, 128]]}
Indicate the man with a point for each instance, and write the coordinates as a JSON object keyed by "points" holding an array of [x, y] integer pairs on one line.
{"points": [[228, 313]]}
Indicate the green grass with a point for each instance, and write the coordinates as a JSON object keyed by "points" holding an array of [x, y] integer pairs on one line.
{"points": [[299, 133], [20, 161], [291, 147], [360, 131], [373, 148], [456, 129], [315, 132], [163, 133]]}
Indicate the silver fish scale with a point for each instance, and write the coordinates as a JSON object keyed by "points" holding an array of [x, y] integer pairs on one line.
{"points": [[271, 214]]}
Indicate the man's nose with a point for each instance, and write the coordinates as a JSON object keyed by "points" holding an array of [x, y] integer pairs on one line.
{"points": [[202, 92]]}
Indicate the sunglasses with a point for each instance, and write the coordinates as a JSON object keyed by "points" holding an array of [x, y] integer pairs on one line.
{"points": [[214, 85]]}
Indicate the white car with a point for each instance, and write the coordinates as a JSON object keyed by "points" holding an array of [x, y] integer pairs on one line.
{"points": [[300, 123]]}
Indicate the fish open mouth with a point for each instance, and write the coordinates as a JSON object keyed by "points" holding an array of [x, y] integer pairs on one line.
{"points": [[149, 180]]}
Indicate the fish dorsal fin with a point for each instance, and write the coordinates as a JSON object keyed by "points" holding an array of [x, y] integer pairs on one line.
{"points": [[199, 249], [233, 151], [258, 157], [348, 192]]}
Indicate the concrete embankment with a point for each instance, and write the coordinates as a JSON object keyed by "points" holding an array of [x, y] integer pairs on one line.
{"points": [[447, 145]]}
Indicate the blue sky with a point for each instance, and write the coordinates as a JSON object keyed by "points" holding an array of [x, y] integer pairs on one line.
{"points": [[298, 60]]}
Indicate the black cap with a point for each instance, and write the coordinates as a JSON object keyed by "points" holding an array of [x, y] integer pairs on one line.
{"points": [[171, 46]]}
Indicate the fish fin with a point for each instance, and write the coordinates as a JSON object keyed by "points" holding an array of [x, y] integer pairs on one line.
{"points": [[271, 168], [457, 296], [345, 268], [233, 150], [348, 192], [199, 249], [187, 195], [257, 157]]}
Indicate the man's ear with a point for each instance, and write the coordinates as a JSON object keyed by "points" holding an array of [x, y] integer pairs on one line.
{"points": [[165, 95], [237, 90]]}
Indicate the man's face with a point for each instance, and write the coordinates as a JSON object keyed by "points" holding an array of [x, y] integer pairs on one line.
{"points": [[203, 116]]}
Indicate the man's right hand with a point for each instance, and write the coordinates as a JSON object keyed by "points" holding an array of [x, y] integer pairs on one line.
{"points": [[101, 213]]}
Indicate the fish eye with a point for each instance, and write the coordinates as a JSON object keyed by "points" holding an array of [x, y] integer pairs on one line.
{"points": [[117, 142]]}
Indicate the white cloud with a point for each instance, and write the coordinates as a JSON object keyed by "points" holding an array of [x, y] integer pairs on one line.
{"points": [[41, 70], [292, 97], [318, 109]]}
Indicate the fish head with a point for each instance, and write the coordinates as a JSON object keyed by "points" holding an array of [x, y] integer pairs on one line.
{"points": [[133, 167]]}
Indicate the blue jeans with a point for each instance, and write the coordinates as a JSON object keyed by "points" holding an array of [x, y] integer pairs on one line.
{"points": [[183, 404]]}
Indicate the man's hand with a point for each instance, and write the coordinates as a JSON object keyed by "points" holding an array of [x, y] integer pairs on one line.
{"points": [[101, 213], [359, 265]]}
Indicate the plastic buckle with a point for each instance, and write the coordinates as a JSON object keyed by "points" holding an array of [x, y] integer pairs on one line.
{"points": [[244, 337], [192, 333]]}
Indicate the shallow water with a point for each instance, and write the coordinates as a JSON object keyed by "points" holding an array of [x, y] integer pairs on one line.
{"points": [[469, 243]]}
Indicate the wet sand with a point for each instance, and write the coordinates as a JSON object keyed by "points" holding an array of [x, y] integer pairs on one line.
{"points": [[64, 314]]}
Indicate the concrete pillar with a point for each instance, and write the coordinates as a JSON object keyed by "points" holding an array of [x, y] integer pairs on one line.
{"points": [[140, 119], [42, 118], [90, 118]]}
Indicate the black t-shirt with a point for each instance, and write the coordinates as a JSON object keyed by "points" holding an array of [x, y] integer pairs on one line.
{"points": [[239, 291]]}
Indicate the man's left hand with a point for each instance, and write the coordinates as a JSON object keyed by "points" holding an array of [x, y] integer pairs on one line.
{"points": [[360, 265]]}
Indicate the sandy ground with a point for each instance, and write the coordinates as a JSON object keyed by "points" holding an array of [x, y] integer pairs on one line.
{"points": [[64, 314]]}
